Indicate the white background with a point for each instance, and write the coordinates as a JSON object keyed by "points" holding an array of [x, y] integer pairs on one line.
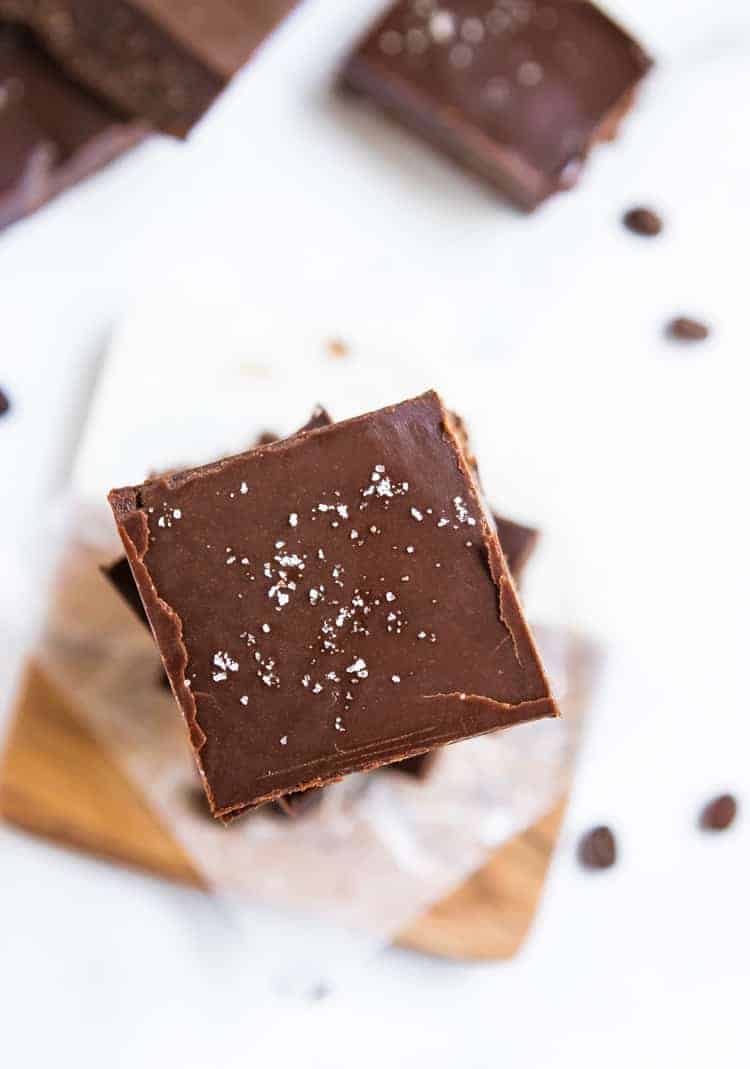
{"points": [[631, 452]]}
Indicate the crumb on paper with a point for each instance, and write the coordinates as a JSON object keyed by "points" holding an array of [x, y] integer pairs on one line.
{"points": [[337, 348]]}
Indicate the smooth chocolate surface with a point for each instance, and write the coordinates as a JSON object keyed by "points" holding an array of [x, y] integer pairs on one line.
{"points": [[517, 542], [164, 61], [330, 603], [52, 132], [517, 91]]}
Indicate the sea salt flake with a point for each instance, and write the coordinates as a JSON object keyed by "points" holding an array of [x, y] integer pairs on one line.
{"points": [[225, 662], [284, 739], [395, 679], [244, 699], [442, 26], [417, 515], [243, 488], [358, 668], [293, 518], [462, 513]]}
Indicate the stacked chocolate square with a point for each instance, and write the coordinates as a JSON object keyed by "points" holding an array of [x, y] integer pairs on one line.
{"points": [[332, 603]]}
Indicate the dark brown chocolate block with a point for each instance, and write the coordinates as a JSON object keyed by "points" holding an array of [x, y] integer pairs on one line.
{"points": [[517, 91], [330, 603], [164, 61], [517, 542], [52, 132]]}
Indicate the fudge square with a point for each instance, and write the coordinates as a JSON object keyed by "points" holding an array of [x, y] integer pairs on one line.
{"points": [[517, 91], [329, 603]]}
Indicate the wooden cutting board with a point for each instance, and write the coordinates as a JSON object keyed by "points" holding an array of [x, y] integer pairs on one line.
{"points": [[57, 782]]}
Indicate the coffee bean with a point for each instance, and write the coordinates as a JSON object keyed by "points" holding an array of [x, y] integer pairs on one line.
{"points": [[4, 402], [684, 329], [643, 221], [597, 848], [719, 813]]}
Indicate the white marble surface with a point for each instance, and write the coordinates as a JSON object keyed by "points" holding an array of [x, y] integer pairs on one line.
{"points": [[636, 463]]}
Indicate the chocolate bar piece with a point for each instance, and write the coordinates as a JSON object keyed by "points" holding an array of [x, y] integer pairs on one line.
{"points": [[164, 61], [517, 91], [517, 542], [52, 133], [330, 603]]}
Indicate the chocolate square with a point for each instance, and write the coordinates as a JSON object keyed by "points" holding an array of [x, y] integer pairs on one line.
{"points": [[517, 91], [330, 603], [52, 132], [163, 61]]}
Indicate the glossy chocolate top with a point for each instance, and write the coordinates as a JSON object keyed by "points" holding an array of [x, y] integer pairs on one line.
{"points": [[164, 61], [518, 89], [330, 603]]}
